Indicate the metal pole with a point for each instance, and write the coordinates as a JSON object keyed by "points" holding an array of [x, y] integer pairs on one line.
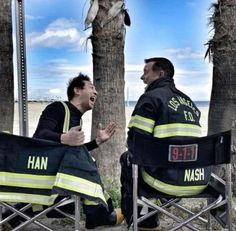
{"points": [[21, 68], [135, 196], [228, 193], [77, 212]]}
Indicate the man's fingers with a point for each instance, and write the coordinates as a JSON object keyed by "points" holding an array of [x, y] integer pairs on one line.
{"points": [[99, 126], [111, 127], [76, 128]]}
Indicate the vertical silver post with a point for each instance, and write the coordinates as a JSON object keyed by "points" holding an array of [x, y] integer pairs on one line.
{"points": [[77, 212], [127, 104], [135, 196], [228, 188], [21, 68], [1, 210]]}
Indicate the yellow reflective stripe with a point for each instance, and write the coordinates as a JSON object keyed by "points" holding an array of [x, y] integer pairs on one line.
{"points": [[66, 123], [80, 185], [171, 189], [142, 123], [107, 196], [37, 207], [177, 129], [156, 201], [26, 180], [27, 198], [89, 202]]}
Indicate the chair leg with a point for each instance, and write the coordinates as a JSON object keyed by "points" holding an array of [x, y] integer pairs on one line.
{"points": [[1, 217], [228, 192], [184, 210], [77, 212], [168, 214], [34, 219], [209, 224], [20, 213], [29, 220], [135, 196], [206, 209]]}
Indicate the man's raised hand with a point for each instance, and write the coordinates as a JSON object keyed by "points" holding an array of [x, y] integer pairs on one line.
{"points": [[104, 134]]}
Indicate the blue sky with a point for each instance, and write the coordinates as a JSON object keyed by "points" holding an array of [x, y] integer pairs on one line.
{"points": [[57, 46]]}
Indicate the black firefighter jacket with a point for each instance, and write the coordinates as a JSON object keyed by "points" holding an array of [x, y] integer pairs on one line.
{"points": [[164, 111]]}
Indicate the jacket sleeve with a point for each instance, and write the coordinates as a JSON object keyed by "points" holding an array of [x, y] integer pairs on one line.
{"points": [[144, 116], [51, 122], [91, 145], [143, 119]]}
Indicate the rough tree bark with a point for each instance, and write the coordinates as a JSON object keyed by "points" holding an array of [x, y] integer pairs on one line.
{"points": [[108, 69], [6, 68], [222, 48]]}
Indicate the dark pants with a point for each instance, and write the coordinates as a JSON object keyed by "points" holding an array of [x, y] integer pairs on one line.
{"points": [[97, 215], [127, 193]]}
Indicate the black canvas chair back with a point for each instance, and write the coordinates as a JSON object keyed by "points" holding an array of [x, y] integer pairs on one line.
{"points": [[35, 171], [180, 153], [170, 153]]}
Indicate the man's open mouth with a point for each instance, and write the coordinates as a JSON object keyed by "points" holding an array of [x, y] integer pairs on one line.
{"points": [[92, 99]]}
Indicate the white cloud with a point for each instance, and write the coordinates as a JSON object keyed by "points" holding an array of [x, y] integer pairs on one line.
{"points": [[196, 84], [66, 69], [198, 91], [57, 61], [32, 17], [61, 33], [185, 53], [55, 91], [187, 72], [134, 67]]}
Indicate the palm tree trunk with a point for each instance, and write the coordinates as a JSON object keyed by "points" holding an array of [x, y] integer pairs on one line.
{"points": [[108, 69], [222, 112], [6, 68]]}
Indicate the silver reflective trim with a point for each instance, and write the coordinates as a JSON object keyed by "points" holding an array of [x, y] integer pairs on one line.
{"points": [[26, 180], [80, 185], [177, 129], [28, 198], [142, 123]]}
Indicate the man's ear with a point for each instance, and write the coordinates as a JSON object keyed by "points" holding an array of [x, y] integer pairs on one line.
{"points": [[77, 90], [162, 73]]}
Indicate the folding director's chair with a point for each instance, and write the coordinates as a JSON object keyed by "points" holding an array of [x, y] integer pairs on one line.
{"points": [[169, 153], [35, 172]]}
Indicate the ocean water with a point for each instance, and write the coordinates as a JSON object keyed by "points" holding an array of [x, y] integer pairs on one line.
{"points": [[202, 103]]}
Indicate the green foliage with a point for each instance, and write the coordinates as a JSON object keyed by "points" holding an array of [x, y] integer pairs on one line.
{"points": [[112, 187]]}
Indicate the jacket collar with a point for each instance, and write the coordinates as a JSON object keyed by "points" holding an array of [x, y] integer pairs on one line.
{"points": [[74, 109], [162, 82]]}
